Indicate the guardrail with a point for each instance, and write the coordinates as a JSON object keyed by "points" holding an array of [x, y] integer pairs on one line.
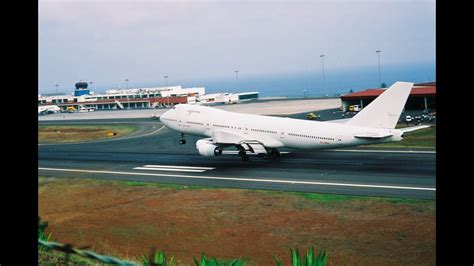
{"points": [[69, 249]]}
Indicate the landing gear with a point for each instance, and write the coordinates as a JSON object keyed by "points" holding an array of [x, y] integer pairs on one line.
{"points": [[244, 156], [274, 154], [182, 141]]}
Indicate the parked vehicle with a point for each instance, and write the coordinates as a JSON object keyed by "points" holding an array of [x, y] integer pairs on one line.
{"points": [[85, 109], [354, 108]]}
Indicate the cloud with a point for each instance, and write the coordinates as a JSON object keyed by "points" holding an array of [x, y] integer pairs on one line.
{"points": [[110, 40]]}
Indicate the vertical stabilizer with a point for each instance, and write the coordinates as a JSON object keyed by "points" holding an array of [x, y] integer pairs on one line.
{"points": [[386, 109]]}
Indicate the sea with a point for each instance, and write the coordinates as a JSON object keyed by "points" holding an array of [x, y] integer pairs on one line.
{"points": [[312, 84], [305, 84]]}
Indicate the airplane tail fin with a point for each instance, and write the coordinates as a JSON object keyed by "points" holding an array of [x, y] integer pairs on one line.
{"points": [[385, 110]]}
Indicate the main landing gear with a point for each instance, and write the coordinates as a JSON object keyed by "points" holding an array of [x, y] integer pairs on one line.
{"points": [[243, 156], [182, 141], [274, 154]]}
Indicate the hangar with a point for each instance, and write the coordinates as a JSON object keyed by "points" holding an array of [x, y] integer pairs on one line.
{"points": [[422, 97]]}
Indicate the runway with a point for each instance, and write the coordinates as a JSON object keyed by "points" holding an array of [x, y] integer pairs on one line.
{"points": [[153, 155]]}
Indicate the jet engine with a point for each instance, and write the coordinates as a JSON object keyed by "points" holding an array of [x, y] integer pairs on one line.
{"points": [[207, 148]]}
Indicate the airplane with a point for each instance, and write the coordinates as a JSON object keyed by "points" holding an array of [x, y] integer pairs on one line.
{"points": [[48, 109], [264, 135]]}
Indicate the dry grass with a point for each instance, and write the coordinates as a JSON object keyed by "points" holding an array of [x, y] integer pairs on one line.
{"points": [[125, 220]]}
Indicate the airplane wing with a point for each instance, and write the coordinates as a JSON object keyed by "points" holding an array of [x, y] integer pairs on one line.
{"points": [[223, 138], [226, 137]]}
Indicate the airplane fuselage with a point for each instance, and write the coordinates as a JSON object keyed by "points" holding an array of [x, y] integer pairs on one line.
{"points": [[272, 132]]}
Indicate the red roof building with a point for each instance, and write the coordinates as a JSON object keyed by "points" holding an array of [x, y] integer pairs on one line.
{"points": [[422, 97]]}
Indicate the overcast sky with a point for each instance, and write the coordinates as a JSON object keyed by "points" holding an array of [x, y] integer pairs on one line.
{"points": [[109, 41]]}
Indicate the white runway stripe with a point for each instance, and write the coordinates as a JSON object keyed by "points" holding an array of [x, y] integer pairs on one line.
{"points": [[241, 179], [386, 151], [237, 152], [178, 167], [169, 169]]}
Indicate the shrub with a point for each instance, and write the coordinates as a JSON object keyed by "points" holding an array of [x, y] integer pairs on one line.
{"points": [[310, 260], [204, 261], [159, 258]]}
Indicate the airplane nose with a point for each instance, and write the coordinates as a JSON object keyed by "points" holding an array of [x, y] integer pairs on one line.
{"points": [[164, 116]]}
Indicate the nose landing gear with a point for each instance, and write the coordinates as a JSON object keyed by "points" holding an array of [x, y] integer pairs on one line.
{"points": [[182, 141]]}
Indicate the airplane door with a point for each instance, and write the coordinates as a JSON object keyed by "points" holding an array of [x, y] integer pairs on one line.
{"points": [[246, 129]]}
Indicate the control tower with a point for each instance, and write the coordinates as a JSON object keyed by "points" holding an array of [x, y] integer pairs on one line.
{"points": [[81, 89]]}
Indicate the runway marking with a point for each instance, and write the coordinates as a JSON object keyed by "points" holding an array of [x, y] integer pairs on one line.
{"points": [[179, 167], [387, 151], [169, 169], [240, 179], [237, 152], [174, 168]]}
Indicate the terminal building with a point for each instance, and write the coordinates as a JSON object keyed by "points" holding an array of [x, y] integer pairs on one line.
{"points": [[422, 97], [138, 98]]}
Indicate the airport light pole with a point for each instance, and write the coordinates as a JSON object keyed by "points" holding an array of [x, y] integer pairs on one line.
{"points": [[166, 82], [236, 74], [128, 100], [378, 57], [324, 74], [57, 90]]}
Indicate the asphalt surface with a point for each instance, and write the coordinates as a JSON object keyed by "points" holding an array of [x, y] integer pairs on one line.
{"points": [[152, 154]]}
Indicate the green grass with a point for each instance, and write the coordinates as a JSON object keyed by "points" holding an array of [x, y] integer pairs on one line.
{"points": [[332, 198], [160, 185], [78, 133]]}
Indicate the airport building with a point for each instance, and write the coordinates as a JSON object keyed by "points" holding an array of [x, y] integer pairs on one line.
{"points": [[138, 98], [227, 98], [422, 97]]}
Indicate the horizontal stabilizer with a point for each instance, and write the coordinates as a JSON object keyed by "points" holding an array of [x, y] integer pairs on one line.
{"points": [[410, 129], [341, 121], [371, 135]]}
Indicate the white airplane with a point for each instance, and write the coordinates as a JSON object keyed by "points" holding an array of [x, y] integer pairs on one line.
{"points": [[264, 135], [48, 109]]}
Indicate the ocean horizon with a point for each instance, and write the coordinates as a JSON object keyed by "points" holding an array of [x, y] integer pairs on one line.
{"points": [[302, 84]]}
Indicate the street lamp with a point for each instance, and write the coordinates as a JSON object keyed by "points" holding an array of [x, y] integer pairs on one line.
{"points": [[128, 100], [324, 74], [378, 56], [57, 91], [236, 74], [166, 82]]}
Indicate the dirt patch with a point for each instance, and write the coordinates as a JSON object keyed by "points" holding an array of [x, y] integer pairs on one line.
{"points": [[125, 221]]}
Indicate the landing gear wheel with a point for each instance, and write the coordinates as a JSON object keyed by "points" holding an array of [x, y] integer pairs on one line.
{"points": [[243, 156], [275, 154], [182, 141]]}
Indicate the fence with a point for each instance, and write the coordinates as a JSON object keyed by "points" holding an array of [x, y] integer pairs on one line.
{"points": [[69, 249]]}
